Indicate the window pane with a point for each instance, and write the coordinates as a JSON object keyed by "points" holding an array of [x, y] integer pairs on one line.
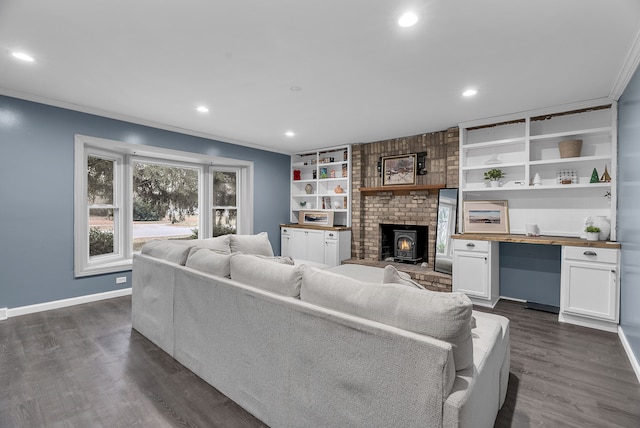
{"points": [[165, 203], [100, 180], [224, 221], [101, 228], [224, 189]]}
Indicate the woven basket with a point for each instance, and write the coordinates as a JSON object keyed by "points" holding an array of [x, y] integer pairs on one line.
{"points": [[570, 148]]}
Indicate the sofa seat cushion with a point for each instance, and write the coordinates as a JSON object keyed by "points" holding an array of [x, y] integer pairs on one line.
{"points": [[267, 274], [251, 244], [167, 250], [444, 316], [209, 261]]}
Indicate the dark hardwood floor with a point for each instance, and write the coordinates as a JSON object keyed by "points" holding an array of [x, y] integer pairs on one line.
{"points": [[83, 366]]}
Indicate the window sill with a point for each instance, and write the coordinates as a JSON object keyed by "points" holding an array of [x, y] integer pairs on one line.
{"points": [[102, 268]]}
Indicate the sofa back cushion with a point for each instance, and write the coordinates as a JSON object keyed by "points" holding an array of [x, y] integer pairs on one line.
{"points": [[444, 316], [167, 250], [267, 274], [209, 261], [251, 244]]}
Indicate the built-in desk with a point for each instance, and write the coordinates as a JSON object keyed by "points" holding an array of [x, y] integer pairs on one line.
{"points": [[544, 240], [580, 276]]}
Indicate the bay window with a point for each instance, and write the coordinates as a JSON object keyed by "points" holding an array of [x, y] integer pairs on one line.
{"points": [[126, 195]]}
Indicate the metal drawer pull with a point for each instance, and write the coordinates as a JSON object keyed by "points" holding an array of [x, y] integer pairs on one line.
{"points": [[590, 253], [471, 245]]}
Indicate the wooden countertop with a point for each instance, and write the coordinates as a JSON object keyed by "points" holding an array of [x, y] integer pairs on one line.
{"points": [[307, 226], [542, 239]]}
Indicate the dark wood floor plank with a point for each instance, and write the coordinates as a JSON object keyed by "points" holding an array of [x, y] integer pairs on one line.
{"points": [[84, 366]]}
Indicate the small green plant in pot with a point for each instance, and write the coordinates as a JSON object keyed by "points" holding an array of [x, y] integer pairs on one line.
{"points": [[494, 175], [593, 233]]}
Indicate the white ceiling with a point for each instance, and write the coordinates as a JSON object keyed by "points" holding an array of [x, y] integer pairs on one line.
{"points": [[362, 77]]}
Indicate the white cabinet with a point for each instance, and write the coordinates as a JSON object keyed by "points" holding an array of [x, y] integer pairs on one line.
{"points": [[285, 241], [526, 146], [475, 270], [307, 244], [337, 246], [329, 247], [321, 180], [590, 287]]}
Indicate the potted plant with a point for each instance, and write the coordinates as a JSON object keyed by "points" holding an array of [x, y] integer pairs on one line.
{"points": [[593, 233], [494, 175]]}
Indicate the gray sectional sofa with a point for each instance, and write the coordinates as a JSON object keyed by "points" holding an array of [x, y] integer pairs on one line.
{"points": [[298, 345]]}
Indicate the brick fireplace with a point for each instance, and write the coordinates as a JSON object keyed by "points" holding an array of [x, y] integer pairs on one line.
{"points": [[411, 207]]}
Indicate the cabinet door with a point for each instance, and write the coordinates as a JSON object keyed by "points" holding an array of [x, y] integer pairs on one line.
{"points": [[315, 246], [331, 253], [471, 273], [590, 289], [298, 244], [307, 245], [285, 243]]}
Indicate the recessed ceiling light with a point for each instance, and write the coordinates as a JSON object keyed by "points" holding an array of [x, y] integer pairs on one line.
{"points": [[469, 93], [23, 56], [203, 109], [409, 19], [290, 134]]}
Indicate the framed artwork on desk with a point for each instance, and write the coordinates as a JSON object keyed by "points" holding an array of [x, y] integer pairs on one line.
{"points": [[486, 217]]}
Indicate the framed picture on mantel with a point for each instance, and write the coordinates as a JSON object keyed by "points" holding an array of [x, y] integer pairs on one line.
{"points": [[486, 217], [399, 170]]}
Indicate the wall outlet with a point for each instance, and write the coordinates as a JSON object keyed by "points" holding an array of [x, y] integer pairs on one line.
{"points": [[121, 280]]}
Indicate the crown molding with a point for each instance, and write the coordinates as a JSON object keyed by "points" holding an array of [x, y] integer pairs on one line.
{"points": [[628, 68]]}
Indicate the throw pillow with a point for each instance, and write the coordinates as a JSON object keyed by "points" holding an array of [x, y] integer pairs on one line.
{"points": [[444, 316], [265, 274], [392, 275], [219, 243], [209, 261], [251, 244], [167, 250]]}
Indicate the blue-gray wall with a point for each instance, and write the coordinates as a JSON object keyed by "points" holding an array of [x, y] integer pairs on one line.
{"points": [[531, 272], [629, 210], [36, 195]]}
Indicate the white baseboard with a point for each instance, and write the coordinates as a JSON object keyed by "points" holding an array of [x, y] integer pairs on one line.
{"points": [[57, 304], [632, 357], [3, 314]]}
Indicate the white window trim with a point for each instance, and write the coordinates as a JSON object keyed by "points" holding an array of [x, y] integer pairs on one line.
{"points": [[122, 258], [244, 220]]}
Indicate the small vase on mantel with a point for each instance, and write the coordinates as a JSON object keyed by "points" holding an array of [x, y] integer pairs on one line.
{"points": [[604, 224]]}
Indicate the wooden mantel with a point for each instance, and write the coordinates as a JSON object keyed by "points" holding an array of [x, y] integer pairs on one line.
{"points": [[404, 189]]}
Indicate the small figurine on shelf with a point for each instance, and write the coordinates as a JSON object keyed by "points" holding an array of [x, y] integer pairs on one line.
{"points": [[606, 178], [594, 176]]}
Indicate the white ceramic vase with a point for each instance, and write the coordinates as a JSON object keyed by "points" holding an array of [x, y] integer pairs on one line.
{"points": [[494, 183], [605, 227]]}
